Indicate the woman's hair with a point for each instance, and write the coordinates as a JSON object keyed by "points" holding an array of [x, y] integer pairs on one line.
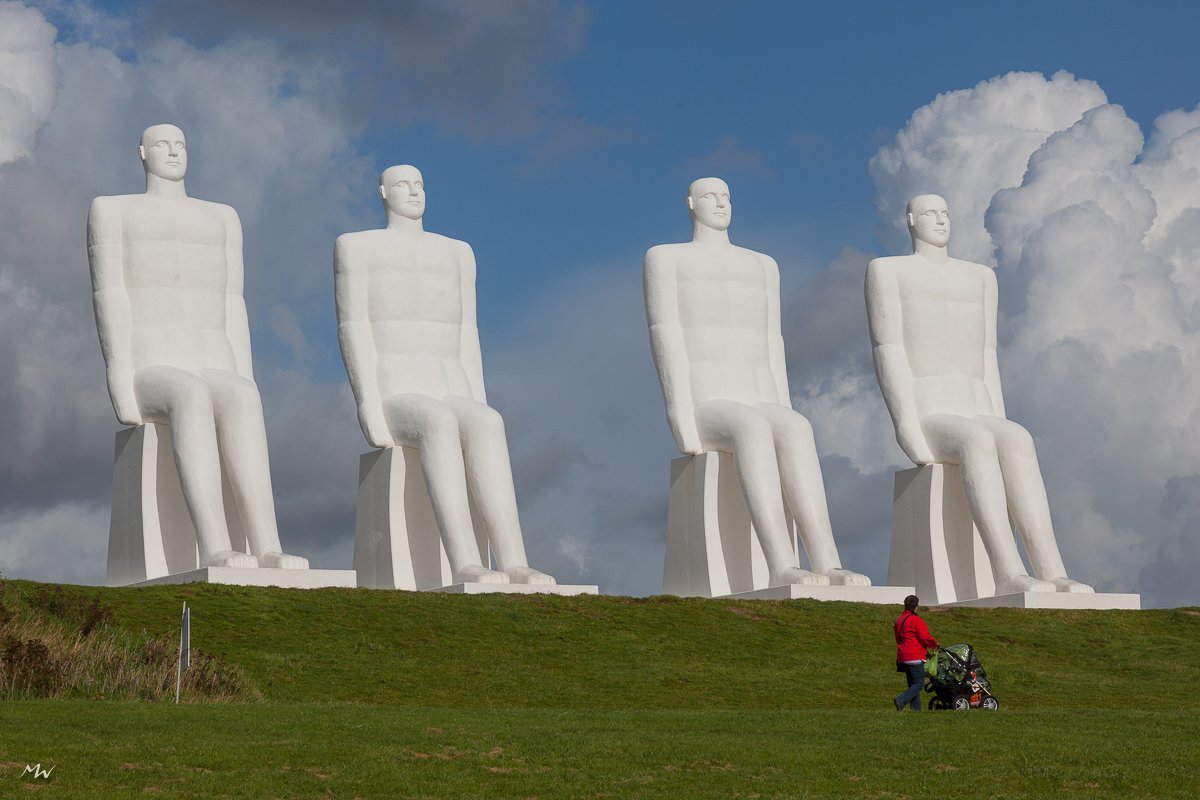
{"points": [[911, 602]]}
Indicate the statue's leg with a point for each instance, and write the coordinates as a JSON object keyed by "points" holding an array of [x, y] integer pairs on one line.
{"points": [[489, 476], [242, 434], [432, 427], [1027, 502], [959, 440], [182, 401], [742, 430], [804, 491]]}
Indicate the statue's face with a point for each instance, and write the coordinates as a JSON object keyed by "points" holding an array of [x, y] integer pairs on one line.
{"points": [[929, 220], [403, 190], [708, 199], [164, 152]]}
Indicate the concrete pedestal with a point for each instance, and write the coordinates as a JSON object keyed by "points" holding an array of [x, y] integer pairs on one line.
{"points": [[885, 595], [1059, 600], [712, 548], [397, 543], [516, 588], [935, 545], [261, 576], [150, 533]]}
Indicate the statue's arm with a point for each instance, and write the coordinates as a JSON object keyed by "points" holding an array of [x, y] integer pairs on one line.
{"points": [[358, 343], [668, 349], [891, 361], [469, 348], [114, 319], [991, 364], [237, 322], [775, 347]]}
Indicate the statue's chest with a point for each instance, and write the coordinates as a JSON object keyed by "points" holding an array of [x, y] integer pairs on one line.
{"points": [[415, 283], [175, 245], [722, 291]]}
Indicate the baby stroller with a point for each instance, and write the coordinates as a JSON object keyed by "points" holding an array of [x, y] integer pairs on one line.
{"points": [[957, 680]]}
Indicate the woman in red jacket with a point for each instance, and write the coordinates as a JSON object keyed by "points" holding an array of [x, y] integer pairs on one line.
{"points": [[913, 639]]}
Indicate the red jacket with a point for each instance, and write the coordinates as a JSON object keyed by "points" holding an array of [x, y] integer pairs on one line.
{"points": [[912, 637]]}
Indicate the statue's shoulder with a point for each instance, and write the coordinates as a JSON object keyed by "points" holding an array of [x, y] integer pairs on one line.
{"points": [[889, 263], [445, 242], [115, 203], [757, 256], [666, 255], [225, 212], [971, 266]]}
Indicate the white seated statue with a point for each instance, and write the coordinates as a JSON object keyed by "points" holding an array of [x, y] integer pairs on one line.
{"points": [[714, 314], [933, 335], [406, 323], [167, 288]]}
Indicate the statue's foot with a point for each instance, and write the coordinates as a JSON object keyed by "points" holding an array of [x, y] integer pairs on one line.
{"points": [[476, 573], [1023, 583], [844, 577], [800, 576], [529, 575], [1074, 587], [230, 558], [282, 561]]}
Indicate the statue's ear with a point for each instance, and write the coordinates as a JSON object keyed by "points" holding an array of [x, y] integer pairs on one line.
{"points": [[911, 220], [691, 203], [382, 192], [142, 152]]}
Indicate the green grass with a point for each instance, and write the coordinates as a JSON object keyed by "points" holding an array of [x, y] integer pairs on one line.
{"points": [[398, 695]]}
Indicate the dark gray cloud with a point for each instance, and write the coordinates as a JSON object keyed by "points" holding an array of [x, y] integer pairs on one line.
{"points": [[477, 69]]}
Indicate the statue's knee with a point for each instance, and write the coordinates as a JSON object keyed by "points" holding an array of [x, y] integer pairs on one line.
{"points": [[193, 400], [980, 443], [1020, 441], [440, 426], [754, 434]]}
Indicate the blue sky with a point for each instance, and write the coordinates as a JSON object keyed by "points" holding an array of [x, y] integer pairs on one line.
{"points": [[557, 138]]}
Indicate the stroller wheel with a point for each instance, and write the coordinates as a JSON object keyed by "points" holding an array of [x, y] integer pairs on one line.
{"points": [[932, 703], [991, 703], [962, 702]]}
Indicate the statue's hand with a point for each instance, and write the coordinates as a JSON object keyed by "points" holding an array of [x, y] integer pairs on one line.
{"points": [[914, 446], [126, 406], [375, 428], [130, 418]]}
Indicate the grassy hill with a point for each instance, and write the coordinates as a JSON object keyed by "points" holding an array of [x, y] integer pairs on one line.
{"points": [[394, 694]]}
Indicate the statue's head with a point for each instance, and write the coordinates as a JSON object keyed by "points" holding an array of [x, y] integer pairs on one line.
{"points": [[163, 150], [708, 202], [929, 220], [403, 190]]}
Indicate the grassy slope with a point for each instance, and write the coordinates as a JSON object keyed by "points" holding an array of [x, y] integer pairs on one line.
{"points": [[509, 696], [659, 653]]}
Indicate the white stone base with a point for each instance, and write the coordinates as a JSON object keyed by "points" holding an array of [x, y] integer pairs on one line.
{"points": [[884, 595], [151, 533], [516, 588], [1060, 600], [260, 576], [712, 548], [935, 545], [397, 543]]}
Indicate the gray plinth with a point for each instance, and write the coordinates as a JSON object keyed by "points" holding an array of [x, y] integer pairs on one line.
{"points": [[260, 576], [516, 588]]}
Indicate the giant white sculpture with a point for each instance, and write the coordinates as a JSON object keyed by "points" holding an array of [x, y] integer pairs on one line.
{"points": [[167, 288], [933, 335], [714, 314], [406, 323]]}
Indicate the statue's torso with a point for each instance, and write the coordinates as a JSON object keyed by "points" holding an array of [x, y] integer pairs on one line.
{"points": [[723, 306], [945, 318], [176, 273], [415, 305]]}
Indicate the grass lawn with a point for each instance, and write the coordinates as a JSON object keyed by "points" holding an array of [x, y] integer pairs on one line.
{"points": [[120, 750], [402, 695]]}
